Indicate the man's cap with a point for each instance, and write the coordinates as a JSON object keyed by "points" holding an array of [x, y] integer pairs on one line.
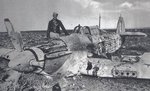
{"points": [[55, 13]]}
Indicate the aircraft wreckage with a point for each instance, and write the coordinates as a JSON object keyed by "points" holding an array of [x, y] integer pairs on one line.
{"points": [[71, 54]]}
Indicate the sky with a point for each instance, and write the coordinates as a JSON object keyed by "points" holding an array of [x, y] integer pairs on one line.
{"points": [[35, 14]]}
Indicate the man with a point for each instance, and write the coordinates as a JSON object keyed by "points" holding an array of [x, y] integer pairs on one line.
{"points": [[54, 27], [89, 66], [95, 70]]}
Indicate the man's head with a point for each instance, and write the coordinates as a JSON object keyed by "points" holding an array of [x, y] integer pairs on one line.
{"points": [[55, 15]]}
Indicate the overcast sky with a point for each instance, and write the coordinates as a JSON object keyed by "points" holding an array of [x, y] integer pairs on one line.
{"points": [[35, 14]]}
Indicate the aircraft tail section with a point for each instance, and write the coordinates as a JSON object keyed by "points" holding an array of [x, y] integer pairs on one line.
{"points": [[120, 25], [14, 36], [121, 29]]}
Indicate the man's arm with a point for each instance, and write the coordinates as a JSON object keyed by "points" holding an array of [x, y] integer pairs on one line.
{"points": [[48, 30], [63, 28]]}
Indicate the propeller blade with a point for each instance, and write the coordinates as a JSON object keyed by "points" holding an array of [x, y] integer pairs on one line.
{"points": [[15, 37]]}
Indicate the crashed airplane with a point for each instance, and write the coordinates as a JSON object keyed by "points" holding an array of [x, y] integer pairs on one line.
{"points": [[69, 55]]}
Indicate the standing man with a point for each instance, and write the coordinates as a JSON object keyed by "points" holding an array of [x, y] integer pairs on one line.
{"points": [[95, 70], [54, 27], [89, 66]]}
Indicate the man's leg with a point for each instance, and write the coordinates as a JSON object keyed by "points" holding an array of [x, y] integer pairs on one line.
{"points": [[87, 71], [93, 73], [96, 73]]}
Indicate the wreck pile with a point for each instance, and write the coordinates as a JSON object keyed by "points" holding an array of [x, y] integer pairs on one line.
{"points": [[34, 82]]}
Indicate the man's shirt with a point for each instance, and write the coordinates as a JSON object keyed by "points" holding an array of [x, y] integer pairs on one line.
{"points": [[54, 26]]}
